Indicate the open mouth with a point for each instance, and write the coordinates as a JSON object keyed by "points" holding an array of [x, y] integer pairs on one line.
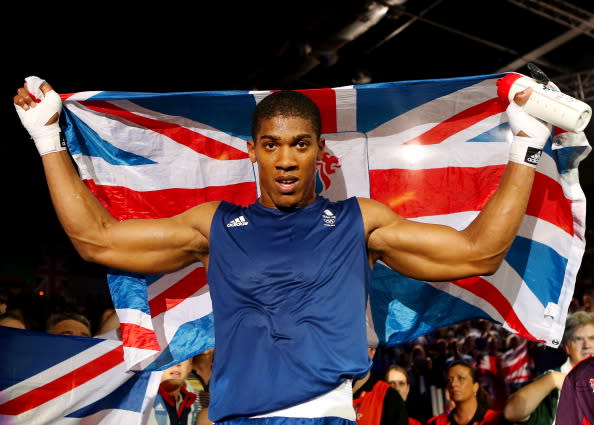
{"points": [[286, 184]]}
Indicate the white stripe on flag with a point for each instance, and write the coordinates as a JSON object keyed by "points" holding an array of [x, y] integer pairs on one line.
{"points": [[134, 316], [435, 111], [346, 110], [192, 308], [387, 154]]}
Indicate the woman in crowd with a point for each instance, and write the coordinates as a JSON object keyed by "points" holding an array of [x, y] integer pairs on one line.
{"points": [[470, 400]]}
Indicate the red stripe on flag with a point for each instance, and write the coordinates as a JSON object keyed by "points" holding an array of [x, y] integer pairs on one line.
{"points": [[517, 364], [548, 203], [63, 384], [485, 290], [517, 370], [418, 193], [459, 122], [326, 101], [178, 292], [192, 139], [136, 336], [440, 191], [124, 203]]}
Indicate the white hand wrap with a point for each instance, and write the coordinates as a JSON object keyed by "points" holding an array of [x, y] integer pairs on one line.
{"points": [[526, 150], [46, 137]]}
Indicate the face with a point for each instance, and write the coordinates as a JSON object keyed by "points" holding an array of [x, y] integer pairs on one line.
{"points": [[398, 381], [581, 344], [460, 385], [70, 327], [176, 375], [286, 150]]}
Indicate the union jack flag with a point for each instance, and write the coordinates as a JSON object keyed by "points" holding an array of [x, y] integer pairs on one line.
{"points": [[433, 150], [66, 380], [517, 365]]}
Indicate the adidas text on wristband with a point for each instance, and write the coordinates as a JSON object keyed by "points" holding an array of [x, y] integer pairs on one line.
{"points": [[522, 153]]}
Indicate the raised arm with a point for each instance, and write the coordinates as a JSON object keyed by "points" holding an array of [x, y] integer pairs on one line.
{"points": [[521, 404], [434, 252], [149, 246]]}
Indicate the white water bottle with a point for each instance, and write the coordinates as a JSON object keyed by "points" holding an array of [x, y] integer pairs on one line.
{"points": [[546, 103]]}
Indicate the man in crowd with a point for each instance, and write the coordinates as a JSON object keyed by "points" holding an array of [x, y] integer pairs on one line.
{"points": [[536, 402], [175, 404], [576, 403], [288, 285], [12, 320], [397, 377], [68, 324]]}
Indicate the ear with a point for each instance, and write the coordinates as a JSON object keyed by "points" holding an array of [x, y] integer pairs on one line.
{"points": [[251, 146], [321, 148]]}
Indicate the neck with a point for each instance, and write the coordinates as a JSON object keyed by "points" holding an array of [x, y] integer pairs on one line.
{"points": [[465, 410], [172, 390], [358, 384], [204, 370]]}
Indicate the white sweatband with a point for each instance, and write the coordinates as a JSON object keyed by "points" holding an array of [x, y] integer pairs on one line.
{"points": [[46, 137], [526, 149], [524, 152]]}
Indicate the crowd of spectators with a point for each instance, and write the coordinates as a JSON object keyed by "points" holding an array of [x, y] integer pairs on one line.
{"points": [[503, 361]]}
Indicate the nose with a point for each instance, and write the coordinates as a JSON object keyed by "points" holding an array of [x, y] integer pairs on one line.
{"points": [[286, 159]]}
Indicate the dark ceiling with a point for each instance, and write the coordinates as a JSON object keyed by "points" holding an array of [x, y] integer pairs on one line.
{"points": [[165, 47], [281, 44]]}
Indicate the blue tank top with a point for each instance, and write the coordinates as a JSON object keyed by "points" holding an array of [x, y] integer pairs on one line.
{"points": [[289, 296]]}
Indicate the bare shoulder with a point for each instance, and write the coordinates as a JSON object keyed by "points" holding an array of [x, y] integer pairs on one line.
{"points": [[200, 217], [371, 205], [376, 215]]}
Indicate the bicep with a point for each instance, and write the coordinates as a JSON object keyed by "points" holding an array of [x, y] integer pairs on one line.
{"points": [[421, 251], [156, 245]]}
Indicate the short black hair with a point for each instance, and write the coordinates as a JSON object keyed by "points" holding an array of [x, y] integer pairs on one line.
{"points": [[14, 316], [55, 318], [287, 103]]}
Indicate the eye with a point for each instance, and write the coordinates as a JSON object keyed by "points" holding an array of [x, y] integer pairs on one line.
{"points": [[269, 145], [301, 144]]}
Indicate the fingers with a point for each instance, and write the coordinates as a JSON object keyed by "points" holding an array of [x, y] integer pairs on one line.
{"points": [[45, 87], [23, 99], [522, 97], [26, 100]]}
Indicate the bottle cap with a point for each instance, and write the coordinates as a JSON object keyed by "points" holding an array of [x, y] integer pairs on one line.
{"points": [[504, 85]]}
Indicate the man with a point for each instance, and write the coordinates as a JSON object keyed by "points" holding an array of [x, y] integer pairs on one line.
{"points": [[175, 404], [397, 377], [536, 402], [576, 403], [375, 401], [68, 324], [12, 320], [288, 284]]}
